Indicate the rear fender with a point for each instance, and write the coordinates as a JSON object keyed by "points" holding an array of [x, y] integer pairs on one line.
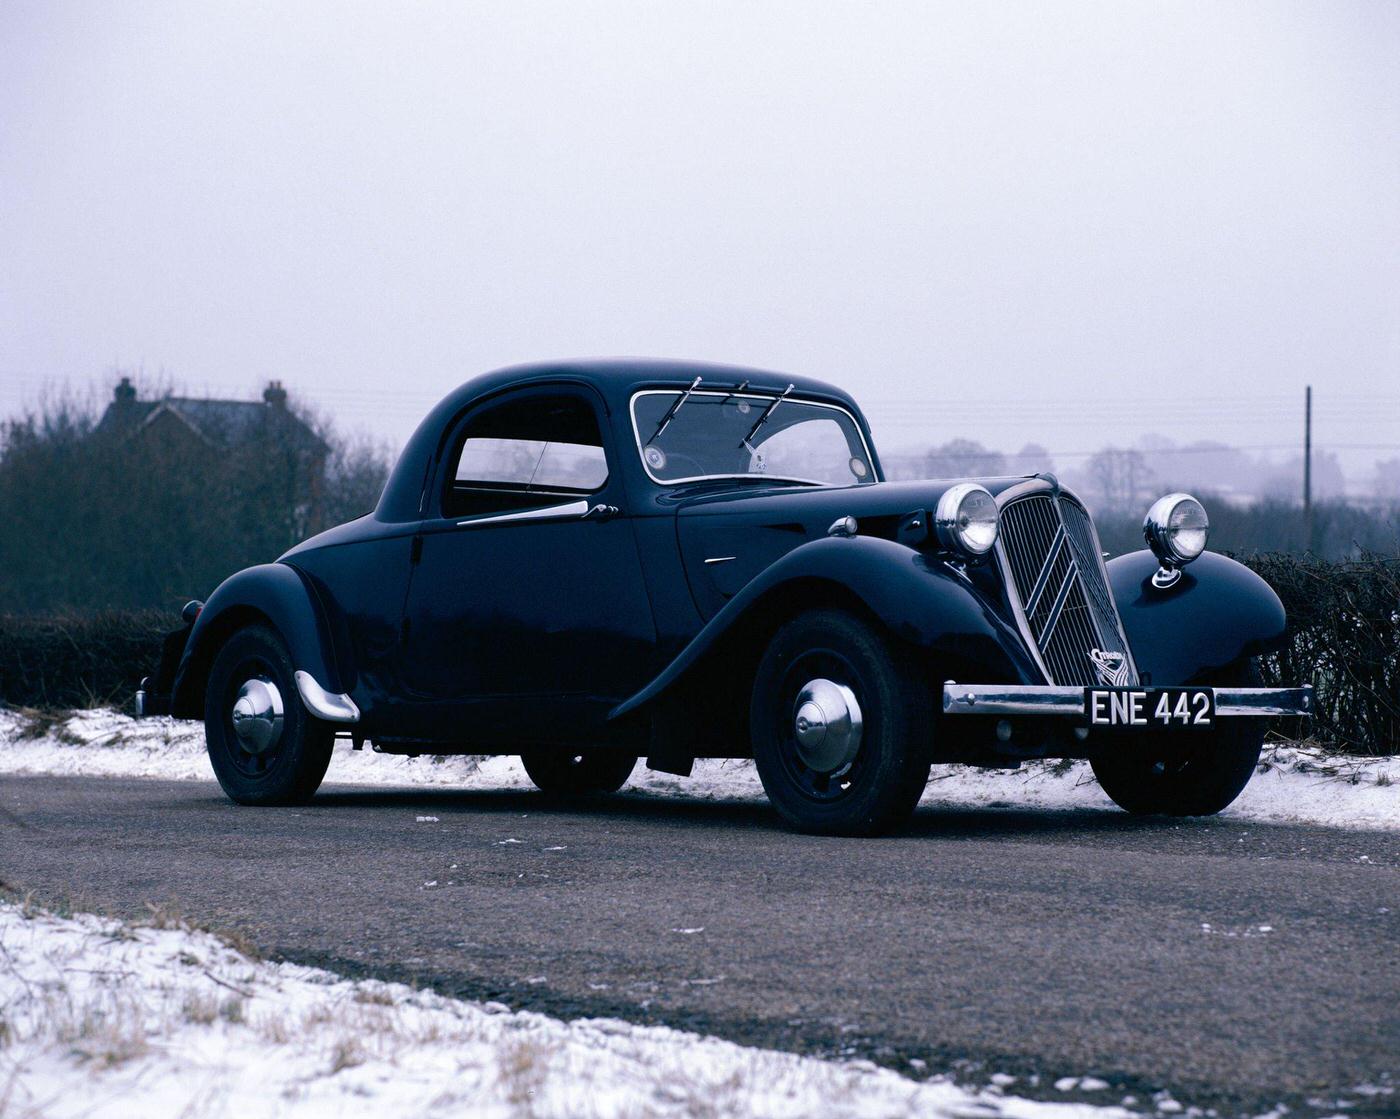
{"points": [[1218, 612], [921, 600], [274, 594]]}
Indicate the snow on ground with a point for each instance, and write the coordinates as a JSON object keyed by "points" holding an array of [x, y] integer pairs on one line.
{"points": [[101, 1019], [1295, 783]]}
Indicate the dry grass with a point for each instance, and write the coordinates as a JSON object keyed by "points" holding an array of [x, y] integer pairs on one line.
{"points": [[101, 1029], [167, 915], [36, 722], [374, 996], [523, 1070], [201, 1008], [346, 1052]]}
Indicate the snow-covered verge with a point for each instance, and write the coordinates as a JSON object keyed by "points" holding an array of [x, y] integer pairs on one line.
{"points": [[1295, 783], [99, 1018]]}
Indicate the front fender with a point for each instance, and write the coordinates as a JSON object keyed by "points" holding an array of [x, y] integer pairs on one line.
{"points": [[921, 600], [275, 593], [1217, 612]]}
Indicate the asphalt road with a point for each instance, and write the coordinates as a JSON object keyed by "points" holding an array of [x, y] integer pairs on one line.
{"points": [[1236, 965]]}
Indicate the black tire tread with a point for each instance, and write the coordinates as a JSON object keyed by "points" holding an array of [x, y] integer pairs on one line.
{"points": [[307, 743], [1208, 783], [897, 709]]}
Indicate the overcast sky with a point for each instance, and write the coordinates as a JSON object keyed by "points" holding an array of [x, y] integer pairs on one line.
{"points": [[1064, 223]]}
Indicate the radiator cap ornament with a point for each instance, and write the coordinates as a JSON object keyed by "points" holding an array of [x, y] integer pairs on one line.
{"points": [[1111, 668]]}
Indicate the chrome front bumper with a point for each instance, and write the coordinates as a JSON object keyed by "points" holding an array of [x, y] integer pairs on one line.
{"points": [[1029, 699]]}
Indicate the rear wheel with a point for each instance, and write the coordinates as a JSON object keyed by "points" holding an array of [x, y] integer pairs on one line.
{"points": [[1196, 774], [841, 722], [561, 773], [265, 747]]}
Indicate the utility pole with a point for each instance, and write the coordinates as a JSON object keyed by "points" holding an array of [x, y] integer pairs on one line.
{"points": [[1307, 471]]}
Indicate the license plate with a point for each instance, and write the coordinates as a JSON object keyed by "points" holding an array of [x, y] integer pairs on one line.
{"points": [[1150, 707]]}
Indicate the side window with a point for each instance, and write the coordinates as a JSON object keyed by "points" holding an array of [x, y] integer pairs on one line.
{"points": [[527, 453]]}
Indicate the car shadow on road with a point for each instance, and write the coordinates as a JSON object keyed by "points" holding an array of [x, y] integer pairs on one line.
{"points": [[930, 821]]}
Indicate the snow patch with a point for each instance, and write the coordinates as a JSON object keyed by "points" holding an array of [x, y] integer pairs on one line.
{"points": [[109, 1020], [1295, 783]]}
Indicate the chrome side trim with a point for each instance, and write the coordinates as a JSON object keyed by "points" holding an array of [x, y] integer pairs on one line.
{"points": [[995, 699], [1031, 699], [333, 707], [721, 559], [549, 513], [1264, 701]]}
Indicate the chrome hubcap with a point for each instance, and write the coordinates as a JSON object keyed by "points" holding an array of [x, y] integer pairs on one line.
{"points": [[257, 716], [827, 726]]}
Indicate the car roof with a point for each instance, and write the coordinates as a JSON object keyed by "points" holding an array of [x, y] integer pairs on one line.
{"points": [[615, 380]]}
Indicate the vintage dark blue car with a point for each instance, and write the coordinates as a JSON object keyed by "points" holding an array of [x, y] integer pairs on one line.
{"points": [[585, 563]]}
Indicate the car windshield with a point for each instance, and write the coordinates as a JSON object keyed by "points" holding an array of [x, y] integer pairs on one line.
{"points": [[696, 433]]}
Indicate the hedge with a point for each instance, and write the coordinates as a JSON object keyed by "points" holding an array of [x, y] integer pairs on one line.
{"points": [[80, 660], [1344, 637], [1343, 617]]}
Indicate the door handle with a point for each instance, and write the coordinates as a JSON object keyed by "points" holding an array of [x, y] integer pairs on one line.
{"points": [[601, 513]]}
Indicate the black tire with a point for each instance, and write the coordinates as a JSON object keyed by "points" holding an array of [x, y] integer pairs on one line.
{"points": [[289, 771], [562, 774], [1161, 773], [880, 785]]}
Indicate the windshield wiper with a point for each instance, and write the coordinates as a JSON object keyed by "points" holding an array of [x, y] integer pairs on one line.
{"points": [[671, 412], [763, 419]]}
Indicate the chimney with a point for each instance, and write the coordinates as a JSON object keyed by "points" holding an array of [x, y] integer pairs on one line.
{"points": [[275, 395], [124, 393]]}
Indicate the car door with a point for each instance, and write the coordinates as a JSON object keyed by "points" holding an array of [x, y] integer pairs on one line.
{"points": [[526, 617]]}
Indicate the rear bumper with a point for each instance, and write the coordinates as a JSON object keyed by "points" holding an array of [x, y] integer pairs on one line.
{"points": [[1071, 702]]}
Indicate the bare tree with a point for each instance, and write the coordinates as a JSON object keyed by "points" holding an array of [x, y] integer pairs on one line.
{"points": [[963, 458], [1120, 478]]}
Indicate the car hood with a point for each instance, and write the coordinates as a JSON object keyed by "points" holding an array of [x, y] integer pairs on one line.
{"points": [[727, 538]]}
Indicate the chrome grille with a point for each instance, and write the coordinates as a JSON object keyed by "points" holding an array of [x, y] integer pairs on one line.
{"points": [[1056, 577]]}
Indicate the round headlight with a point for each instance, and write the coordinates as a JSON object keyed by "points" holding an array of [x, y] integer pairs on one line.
{"points": [[1176, 528], [967, 519]]}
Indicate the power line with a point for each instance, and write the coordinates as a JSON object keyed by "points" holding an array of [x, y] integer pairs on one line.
{"points": [[1150, 452]]}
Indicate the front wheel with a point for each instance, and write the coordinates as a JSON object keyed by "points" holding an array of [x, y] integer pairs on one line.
{"points": [[841, 723], [265, 747], [562, 774], [1180, 774]]}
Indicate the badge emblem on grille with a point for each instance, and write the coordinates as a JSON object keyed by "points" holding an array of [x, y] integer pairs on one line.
{"points": [[1112, 668]]}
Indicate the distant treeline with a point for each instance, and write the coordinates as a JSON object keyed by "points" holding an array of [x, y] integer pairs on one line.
{"points": [[1339, 531], [93, 518], [95, 515], [1119, 485]]}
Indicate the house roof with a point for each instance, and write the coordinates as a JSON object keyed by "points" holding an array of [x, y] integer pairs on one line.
{"points": [[221, 423]]}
